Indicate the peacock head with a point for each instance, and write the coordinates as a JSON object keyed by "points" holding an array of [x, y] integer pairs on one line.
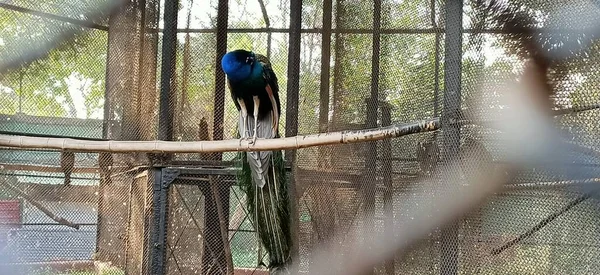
{"points": [[238, 64]]}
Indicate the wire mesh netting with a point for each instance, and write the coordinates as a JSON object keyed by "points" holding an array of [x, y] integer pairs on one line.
{"points": [[194, 232], [151, 70]]}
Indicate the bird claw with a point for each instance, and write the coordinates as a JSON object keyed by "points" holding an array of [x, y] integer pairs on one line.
{"points": [[250, 140]]}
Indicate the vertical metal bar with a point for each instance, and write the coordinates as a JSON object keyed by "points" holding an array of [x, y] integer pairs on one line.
{"points": [[386, 171], [291, 129], [293, 85], [325, 66], [376, 51], [157, 203], [128, 229], [162, 230], [374, 100], [169, 48], [339, 53], [451, 133], [148, 214], [325, 152], [219, 99], [436, 77], [436, 68], [372, 106], [163, 178]]}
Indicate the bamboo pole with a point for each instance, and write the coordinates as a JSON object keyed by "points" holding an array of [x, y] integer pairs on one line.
{"points": [[156, 146], [296, 142]]}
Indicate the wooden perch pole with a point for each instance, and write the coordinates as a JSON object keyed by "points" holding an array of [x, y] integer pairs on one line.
{"points": [[29, 199], [296, 142], [156, 146]]}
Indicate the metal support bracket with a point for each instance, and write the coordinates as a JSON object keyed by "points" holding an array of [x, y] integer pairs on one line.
{"points": [[168, 176], [163, 177]]}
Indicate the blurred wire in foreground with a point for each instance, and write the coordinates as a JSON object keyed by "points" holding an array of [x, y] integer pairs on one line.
{"points": [[529, 138]]}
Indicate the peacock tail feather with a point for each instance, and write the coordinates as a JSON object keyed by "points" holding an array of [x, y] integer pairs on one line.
{"points": [[268, 208], [255, 91]]}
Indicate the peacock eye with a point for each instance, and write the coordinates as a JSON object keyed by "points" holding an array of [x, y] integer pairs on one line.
{"points": [[249, 59]]}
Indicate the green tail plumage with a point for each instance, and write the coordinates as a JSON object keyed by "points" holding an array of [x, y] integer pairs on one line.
{"points": [[268, 209], [255, 93]]}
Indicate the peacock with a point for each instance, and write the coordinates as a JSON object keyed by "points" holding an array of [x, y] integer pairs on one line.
{"points": [[255, 92]]}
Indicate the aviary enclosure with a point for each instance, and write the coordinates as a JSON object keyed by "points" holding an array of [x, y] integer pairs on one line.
{"points": [[150, 70]]}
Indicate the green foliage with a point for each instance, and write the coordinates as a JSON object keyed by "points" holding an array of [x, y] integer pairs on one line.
{"points": [[42, 88], [406, 76]]}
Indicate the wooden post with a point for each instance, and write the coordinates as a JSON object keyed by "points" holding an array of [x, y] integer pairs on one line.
{"points": [[120, 86], [370, 174]]}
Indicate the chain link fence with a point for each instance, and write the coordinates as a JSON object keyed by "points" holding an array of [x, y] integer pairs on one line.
{"points": [[357, 65]]}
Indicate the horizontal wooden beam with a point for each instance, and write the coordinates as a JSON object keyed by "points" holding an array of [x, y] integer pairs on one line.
{"points": [[371, 31], [231, 145], [47, 169], [59, 266]]}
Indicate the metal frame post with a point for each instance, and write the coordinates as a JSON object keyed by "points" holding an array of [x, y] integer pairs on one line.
{"points": [[293, 91], [325, 66], [451, 131], [221, 48], [163, 177], [167, 71], [436, 68], [387, 170]]}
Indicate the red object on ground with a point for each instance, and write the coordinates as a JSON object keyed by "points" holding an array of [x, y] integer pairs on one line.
{"points": [[10, 212], [248, 271], [10, 218]]}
